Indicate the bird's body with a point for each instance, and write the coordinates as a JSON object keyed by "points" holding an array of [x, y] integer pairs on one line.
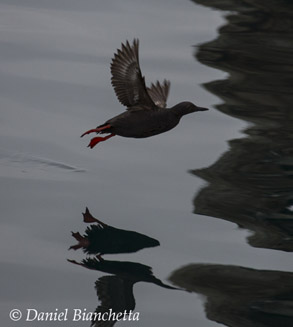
{"points": [[141, 124], [146, 113]]}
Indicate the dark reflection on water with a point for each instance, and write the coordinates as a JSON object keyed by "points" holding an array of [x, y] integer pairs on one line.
{"points": [[252, 183], [100, 238], [114, 292], [238, 296]]}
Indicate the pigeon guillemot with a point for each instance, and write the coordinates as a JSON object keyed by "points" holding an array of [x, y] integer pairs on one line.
{"points": [[146, 113]]}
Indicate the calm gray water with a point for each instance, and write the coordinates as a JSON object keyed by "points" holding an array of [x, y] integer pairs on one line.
{"points": [[216, 192]]}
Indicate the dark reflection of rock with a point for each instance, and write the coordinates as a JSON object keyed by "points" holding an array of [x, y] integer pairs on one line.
{"points": [[115, 292], [101, 238], [240, 297], [252, 183]]}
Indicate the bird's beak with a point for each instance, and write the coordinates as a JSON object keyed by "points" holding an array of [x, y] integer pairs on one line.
{"points": [[201, 109]]}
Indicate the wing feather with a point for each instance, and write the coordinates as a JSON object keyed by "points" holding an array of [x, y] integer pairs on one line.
{"points": [[127, 80], [159, 93]]}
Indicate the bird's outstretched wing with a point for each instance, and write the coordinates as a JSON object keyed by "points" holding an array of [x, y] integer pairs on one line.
{"points": [[127, 80], [159, 93]]}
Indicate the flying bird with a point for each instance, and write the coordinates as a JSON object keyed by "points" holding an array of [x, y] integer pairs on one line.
{"points": [[146, 113]]}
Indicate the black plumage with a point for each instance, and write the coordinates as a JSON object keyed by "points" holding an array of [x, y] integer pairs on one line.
{"points": [[146, 113]]}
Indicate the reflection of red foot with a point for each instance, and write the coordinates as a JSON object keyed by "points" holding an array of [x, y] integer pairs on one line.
{"points": [[82, 242], [88, 218], [99, 257], [77, 236], [97, 130], [94, 141]]}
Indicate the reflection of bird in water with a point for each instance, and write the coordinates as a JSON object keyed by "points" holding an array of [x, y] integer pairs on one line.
{"points": [[101, 238], [132, 271], [146, 113], [116, 292]]}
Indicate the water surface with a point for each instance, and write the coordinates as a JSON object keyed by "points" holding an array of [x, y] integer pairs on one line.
{"points": [[232, 163]]}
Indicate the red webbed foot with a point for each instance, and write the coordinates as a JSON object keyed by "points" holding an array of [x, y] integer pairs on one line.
{"points": [[94, 141], [97, 130]]}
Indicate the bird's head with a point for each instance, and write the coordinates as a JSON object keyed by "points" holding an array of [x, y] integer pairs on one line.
{"points": [[184, 108]]}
